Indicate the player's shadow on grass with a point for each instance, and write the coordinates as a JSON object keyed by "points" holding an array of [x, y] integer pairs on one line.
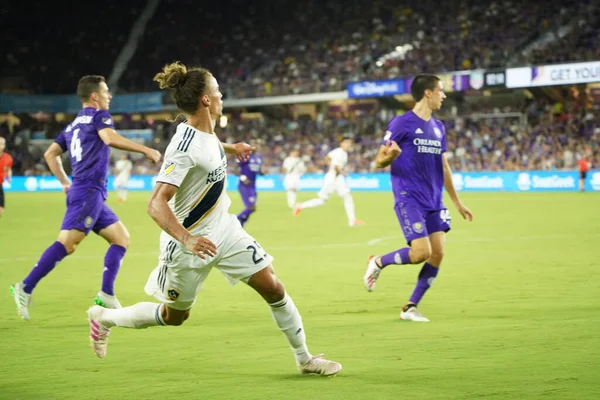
{"points": [[298, 376]]}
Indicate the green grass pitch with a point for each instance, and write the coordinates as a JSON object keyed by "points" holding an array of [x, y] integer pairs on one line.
{"points": [[514, 311]]}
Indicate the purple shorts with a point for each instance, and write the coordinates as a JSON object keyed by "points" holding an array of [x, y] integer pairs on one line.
{"points": [[248, 193], [417, 223], [87, 211]]}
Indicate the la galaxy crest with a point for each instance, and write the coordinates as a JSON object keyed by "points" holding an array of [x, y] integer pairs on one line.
{"points": [[169, 167], [173, 294]]}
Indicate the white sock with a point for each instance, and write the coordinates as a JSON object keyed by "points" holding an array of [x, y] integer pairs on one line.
{"points": [[349, 206], [124, 194], [313, 203], [289, 321], [291, 198], [138, 316]]}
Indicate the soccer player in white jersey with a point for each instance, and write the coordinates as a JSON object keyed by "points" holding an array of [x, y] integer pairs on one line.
{"points": [[190, 204], [293, 168], [335, 181], [123, 169]]}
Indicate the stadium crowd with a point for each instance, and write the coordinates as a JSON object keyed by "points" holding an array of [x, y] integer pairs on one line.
{"points": [[554, 137], [314, 46]]}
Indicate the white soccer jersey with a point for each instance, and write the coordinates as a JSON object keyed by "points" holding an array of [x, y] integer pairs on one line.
{"points": [[338, 158], [196, 163], [123, 168], [294, 166]]}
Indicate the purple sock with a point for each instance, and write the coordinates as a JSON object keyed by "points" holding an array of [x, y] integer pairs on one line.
{"points": [[426, 278], [112, 263], [244, 215], [52, 256], [399, 256]]}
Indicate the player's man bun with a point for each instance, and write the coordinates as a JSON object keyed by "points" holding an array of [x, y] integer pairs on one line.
{"points": [[187, 84], [173, 76]]}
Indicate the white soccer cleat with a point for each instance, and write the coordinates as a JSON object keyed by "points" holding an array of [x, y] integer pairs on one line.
{"points": [[107, 301], [22, 300], [319, 365], [372, 274], [410, 313], [98, 333]]}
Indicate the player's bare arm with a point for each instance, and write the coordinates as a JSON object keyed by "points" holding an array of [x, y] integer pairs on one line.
{"points": [[111, 138], [52, 157], [241, 150], [387, 154], [449, 186], [161, 213]]}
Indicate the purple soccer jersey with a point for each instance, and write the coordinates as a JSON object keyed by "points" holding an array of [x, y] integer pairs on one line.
{"points": [[89, 156], [251, 169], [417, 175]]}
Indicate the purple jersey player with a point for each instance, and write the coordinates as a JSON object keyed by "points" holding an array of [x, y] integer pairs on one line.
{"points": [[87, 139], [249, 170], [414, 145]]}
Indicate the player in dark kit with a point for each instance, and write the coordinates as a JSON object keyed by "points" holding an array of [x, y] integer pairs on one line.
{"points": [[87, 139], [414, 145], [249, 171]]}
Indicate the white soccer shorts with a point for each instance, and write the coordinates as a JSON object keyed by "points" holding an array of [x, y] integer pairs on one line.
{"points": [[179, 276], [121, 181], [334, 184], [291, 182]]}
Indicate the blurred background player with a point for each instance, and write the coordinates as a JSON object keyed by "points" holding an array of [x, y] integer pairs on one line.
{"points": [[249, 171], [335, 181], [87, 139], [6, 163], [293, 168], [414, 145], [199, 233], [584, 167], [123, 169]]}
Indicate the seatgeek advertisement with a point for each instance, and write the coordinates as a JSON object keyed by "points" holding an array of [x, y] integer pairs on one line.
{"points": [[521, 181]]}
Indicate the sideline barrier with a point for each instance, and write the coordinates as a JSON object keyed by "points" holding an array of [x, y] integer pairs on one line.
{"points": [[523, 181]]}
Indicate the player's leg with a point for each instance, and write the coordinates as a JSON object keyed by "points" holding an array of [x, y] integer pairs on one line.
{"points": [[582, 181], [430, 269], [249, 198], [438, 223], [175, 283], [1, 200], [66, 243], [83, 208], [245, 260], [291, 187], [414, 227], [124, 190], [288, 319], [326, 191], [343, 191], [292, 196], [114, 232]]}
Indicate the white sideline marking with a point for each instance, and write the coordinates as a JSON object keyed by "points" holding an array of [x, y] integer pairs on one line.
{"points": [[371, 242]]}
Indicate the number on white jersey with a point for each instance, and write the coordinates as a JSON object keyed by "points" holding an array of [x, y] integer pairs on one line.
{"points": [[76, 149]]}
